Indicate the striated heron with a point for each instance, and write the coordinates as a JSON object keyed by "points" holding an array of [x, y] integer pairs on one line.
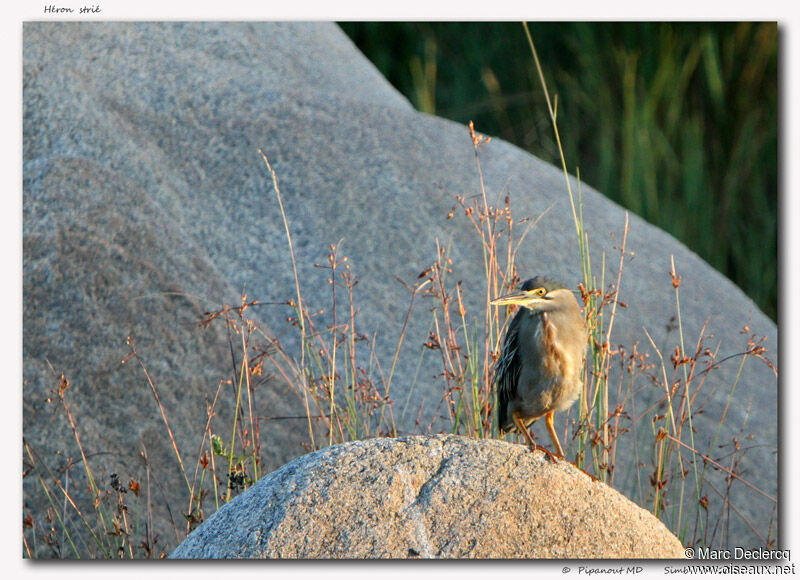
{"points": [[540, 366]]}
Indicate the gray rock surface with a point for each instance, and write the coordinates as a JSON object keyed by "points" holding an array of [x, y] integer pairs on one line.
{"points": [[437, 497], [146, 203]]}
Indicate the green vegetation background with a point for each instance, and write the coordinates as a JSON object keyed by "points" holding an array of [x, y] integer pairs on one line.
{"points": [[676, 121]]}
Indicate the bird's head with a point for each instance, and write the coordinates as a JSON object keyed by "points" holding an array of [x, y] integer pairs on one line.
{"points": [[539, 294]]}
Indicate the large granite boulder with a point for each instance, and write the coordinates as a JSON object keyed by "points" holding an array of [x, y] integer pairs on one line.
{"points": [[146, 204], [439, 497]]}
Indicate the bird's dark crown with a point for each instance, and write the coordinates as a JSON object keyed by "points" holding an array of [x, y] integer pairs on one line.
{"points": [[549, 284]]}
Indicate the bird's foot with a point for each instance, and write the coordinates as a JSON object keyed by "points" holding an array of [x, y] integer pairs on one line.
{"points": [[550, 455], [553, 457]]}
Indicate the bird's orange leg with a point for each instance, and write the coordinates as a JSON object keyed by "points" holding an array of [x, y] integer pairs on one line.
{"points": [[531, 443], [548, 420]]}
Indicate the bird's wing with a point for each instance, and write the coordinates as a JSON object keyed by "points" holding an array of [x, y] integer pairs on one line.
{"points": [[506, 374]]}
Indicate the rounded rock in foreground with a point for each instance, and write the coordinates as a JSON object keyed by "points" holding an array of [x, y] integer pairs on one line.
{"points": [[429, 497]]}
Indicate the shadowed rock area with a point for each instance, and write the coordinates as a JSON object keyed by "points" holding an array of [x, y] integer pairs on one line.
{"points": [[437, 497], [147, 204]]}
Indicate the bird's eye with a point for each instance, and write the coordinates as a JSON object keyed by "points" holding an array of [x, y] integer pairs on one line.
{"points": [[539, 291]]}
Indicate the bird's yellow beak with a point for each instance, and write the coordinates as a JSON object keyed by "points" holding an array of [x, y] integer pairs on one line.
{"points": [[518, 297]]}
